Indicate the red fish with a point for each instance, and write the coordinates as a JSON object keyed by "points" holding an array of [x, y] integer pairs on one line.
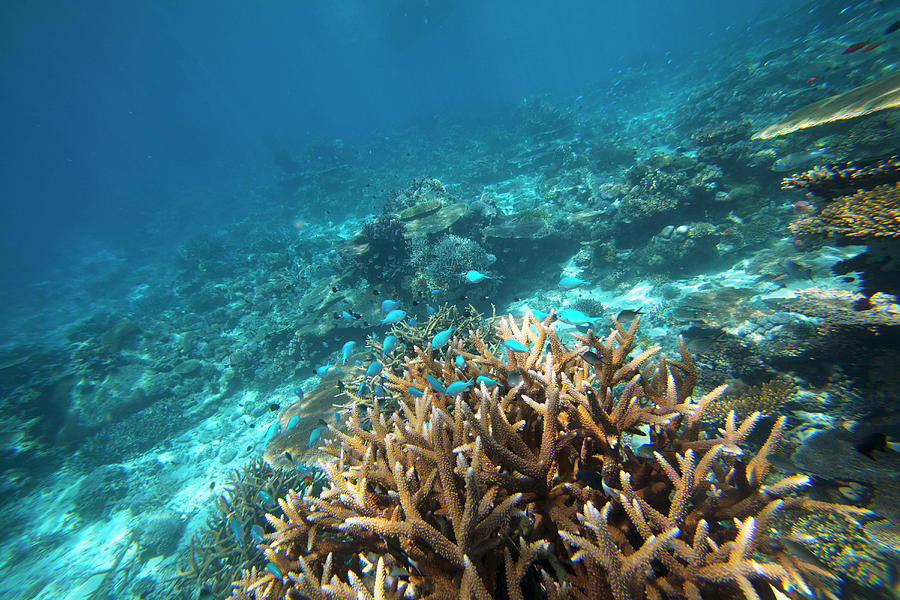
{"points": [[811, 80], [855, 47], [872, 46]]}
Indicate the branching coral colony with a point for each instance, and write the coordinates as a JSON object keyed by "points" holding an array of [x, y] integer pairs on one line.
{"points": [[526, 489]]}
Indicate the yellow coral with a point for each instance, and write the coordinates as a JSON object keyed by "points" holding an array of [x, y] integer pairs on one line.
{"points": [[864, 215], [765, 399]]}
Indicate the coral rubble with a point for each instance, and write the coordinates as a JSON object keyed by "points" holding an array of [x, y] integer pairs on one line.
{"points": [[514, 478]]}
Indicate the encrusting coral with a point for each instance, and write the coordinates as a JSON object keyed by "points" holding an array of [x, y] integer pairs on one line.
{"points": [[511, 478]]}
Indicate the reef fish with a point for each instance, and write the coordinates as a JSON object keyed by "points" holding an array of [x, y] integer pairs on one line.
{"points": [[574, 316], [271, 432], [592, 358], [236, 530], [458, 387], [795, 269], [570, 283], [389, 305], [854, 47], [389, 345], [266, 497], [293, 422], [315, 435], [436, 383], [799, 160], [414, 391], [346, 351], [539, 314], [515, 346], [275, 570], [395, 316], [256, 532], [374, 369], [893, 27], [872, 442], [475, 276], [627, 315], [440, 339], [486, 381], [460, 363]]}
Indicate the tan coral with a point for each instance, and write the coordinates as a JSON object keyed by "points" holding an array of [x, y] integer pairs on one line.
{"points": [[494, 491]]}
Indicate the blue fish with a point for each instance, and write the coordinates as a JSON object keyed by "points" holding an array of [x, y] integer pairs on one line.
{"points": [[275, 570], [266, 497], [256, 532], [374, 369], [476, 277], [515, 346], [315, 435], [458, 387], [389, 305], [460, 363], [436, 383], [486, 381], [576, 317], [321, 371], [236, 530], [293, 422], [440, 339], [389, 345], [395, 316], [298, 391], [570, 283], [271, 432], [431, 310], [539, 314], [413, 391], [346, 351]]}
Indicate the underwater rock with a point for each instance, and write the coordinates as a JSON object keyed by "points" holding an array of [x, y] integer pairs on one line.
{"points": [[99, 491]]}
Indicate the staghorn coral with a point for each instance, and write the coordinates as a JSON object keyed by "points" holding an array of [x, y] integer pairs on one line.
{"points": [[525, 489], [865, 215], [833, 181], [764, 399], [216, 555]]}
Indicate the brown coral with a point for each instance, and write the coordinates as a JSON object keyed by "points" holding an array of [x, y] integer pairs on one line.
{"points": [[764, 399], [521, 484], [865, 215]]}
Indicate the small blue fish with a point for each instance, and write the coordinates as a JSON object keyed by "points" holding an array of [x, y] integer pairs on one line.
{"points": [[576, 317], [298, 391], [321, 371], [380, 391], [413, 391], [431, 310], [389, 305], [236, 530], [374, 369], [440, 339], [539, 314], [315, 435], [256, 532], [293, 422], [395, 316], [515, 346], [346, 351], [570, 283], [389, 345], [476, 277], [460, 363], [458, 387], [486, 381], [275, 570], [436, 383], [271, 432], [514, 378], [266, 497]]}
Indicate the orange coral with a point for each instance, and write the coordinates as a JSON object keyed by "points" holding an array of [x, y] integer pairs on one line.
{"points": [[862, 216]]}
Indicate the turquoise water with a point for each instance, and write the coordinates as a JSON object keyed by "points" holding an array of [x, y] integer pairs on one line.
{"points": [[217, 216]]}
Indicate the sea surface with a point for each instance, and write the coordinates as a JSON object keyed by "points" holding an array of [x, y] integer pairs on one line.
{"points": [[226, 223]]}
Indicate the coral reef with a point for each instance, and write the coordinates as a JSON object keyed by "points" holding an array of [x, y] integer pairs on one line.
{"points": [[863, 216], [764, 399], [227, 543], [447, 260], [522, 484]]}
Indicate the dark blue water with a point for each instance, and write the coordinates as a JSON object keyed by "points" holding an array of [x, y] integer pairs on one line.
{"points": [[117, 117]]}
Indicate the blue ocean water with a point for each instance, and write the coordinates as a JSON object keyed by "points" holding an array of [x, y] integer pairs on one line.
{"points": [[206, 206]]}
